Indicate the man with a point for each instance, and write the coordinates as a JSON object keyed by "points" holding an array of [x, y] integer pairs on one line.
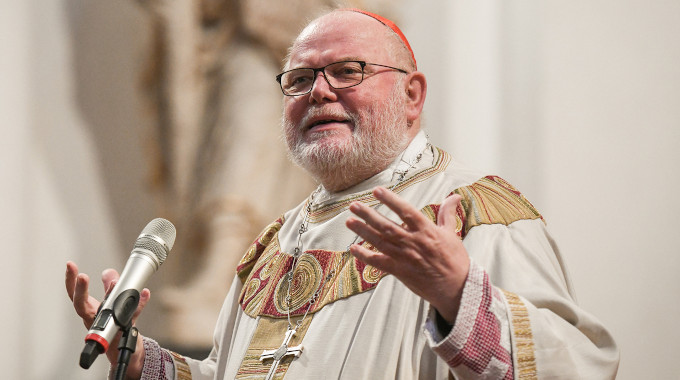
{"points": [[369, 277]]}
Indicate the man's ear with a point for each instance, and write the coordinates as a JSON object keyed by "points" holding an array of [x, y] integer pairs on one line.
{"points": [[416, 89]]}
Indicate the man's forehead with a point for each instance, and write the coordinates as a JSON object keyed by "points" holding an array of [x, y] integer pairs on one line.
{"points": [[336, 22], [350, 35], [345, 45]]}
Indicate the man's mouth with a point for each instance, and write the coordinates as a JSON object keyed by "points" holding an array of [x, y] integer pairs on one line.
{"points": [[325, 122], [326, 118]]}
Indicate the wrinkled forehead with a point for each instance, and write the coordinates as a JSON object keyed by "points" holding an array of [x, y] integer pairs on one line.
{"points": [[339, 36]]}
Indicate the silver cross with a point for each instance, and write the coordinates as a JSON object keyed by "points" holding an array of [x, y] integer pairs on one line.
{"points": [[280, 353]]}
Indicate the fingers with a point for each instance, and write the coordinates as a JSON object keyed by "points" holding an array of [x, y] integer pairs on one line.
{"points": [[109, 279], [77, 288], [144, 298], [412, 217], [70, 280], [384, 241], [384, 234], [376, 224], [81, 295], [381, 226], [376, 259]]}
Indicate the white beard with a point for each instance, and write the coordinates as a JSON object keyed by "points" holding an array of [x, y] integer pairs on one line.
{"points": [[380, 134]]}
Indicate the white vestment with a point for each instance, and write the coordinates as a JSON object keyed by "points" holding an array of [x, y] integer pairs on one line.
{"points": [[518, 318]]}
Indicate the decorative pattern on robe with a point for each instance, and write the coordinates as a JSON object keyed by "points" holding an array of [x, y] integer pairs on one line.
{"points": [[341, 275], [491, 339], [485, 348]]}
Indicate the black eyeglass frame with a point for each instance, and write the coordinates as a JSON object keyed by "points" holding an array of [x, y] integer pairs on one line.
{"points": [[363, 65]]}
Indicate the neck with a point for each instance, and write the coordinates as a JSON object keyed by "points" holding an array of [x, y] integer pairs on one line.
{"points": [[343, 178]]}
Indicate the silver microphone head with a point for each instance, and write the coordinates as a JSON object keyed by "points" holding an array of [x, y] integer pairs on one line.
{"points": [[157, 237]]}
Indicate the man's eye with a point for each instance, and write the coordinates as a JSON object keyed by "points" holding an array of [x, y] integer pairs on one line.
{"points": [[301, 80], [347, 71], [352, 70], [298, 80]]}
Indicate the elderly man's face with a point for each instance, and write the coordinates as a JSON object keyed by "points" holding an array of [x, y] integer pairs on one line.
{"points": [[356, 124]]}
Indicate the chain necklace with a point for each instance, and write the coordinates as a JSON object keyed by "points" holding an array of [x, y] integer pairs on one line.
{"points": [[284, 350]]}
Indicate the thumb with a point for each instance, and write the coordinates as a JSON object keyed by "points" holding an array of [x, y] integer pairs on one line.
{"points": [[448, 212]]}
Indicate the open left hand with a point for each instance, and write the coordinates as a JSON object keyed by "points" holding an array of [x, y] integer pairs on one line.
{"points": [[86, 306], [428, 258]]}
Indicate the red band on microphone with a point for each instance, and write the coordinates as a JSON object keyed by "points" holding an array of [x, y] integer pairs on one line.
{"points": [[99, 340]]}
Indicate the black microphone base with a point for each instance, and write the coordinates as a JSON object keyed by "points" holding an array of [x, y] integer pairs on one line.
{"points": [[90, 352]]}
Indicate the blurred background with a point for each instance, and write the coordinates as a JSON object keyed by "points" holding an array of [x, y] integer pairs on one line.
{"points": [[113, 113]]}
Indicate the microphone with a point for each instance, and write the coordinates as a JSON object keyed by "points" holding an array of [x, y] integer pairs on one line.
{"points": [[115, 313]]}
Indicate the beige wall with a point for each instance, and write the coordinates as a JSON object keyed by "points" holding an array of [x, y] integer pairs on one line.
{"points": [[577, 103], [612, 101], [71, 170]]}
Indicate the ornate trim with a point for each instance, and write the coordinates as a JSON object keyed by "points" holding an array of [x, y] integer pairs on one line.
{"points": [[523, 339], [492, 200], [264, 289], [268, 335], [441, 162], [256, 249], [182, 370], [262, 269]]}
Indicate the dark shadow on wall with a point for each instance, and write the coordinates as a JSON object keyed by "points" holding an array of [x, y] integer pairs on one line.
{"points": [[106, 39]]}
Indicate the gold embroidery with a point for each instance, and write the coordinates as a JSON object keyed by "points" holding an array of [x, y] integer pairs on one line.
{"points": [[269, 232], [459, 224], [269, 335], [264, 288], [271, 267], [182, 369], [491, 200], [263, 268], [430, 212], [265, 273], [252, 254], [372, 275], [250, 289], [523, 339], [306, 280]]}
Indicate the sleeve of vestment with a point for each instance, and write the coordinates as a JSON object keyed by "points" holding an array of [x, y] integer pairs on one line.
{"points": [[162, 364], [518, 317]]}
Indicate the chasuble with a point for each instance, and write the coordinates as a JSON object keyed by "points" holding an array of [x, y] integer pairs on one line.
{"points": [[518, 317]]}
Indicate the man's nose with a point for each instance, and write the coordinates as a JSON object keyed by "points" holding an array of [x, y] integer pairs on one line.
{"points": [[322, 90]]}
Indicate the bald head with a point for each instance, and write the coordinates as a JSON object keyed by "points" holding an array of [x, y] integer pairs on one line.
{"points": [[355, 26], [390, 24]]}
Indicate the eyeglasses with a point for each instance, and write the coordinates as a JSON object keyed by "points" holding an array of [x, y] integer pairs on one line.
{"points": [[339, 75]]}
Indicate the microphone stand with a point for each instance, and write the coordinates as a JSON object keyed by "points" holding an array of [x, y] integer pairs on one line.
{"points": [[126, 346]]}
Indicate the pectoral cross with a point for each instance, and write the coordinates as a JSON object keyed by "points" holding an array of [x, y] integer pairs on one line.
{"points": [[280, 353]]}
